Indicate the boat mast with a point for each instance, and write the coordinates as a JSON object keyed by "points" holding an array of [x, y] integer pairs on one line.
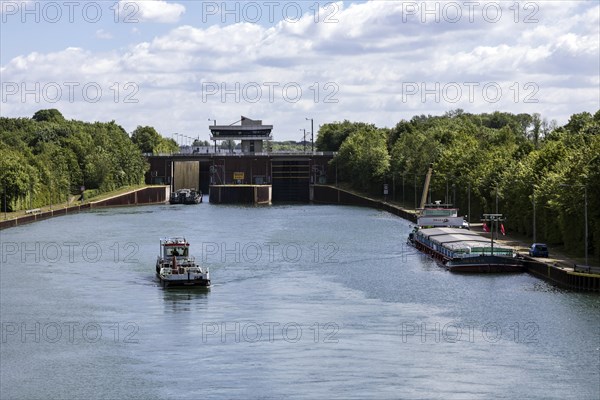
{"points": [[493, 218]]}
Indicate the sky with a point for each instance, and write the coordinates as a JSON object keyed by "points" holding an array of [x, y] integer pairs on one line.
{"points": [[180, 65]]}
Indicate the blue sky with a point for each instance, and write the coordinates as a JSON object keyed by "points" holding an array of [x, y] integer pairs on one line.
{"points": [[173, 65]]}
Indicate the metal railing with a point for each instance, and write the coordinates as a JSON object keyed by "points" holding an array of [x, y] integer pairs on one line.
{"points": [[264, 153]]}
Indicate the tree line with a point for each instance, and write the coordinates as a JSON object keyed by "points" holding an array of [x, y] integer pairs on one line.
{"points": [[47, 159], [518, 161]]}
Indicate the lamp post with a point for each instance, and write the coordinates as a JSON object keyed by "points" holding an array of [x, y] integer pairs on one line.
{"points": [[415, 192], [585, 218], [454, 195], [304, 138], [533, 200], [493, 218], [447, 199], [215, 124], [403, 174], [496, 212], [469, 203], [585, 244], [312, 137]]}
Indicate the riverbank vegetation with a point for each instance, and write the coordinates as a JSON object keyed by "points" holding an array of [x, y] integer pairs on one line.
{"points": [[47, 159], [517, 161]]}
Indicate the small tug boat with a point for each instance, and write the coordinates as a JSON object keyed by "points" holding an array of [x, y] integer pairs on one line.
{"points": [[186, 196], [175, 267]]}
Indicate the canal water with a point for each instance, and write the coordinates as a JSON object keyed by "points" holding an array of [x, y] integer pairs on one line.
{"points": [[307, 302]]}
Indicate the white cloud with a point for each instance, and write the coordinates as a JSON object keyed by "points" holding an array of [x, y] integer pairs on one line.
{"points": [[102, 34], [150, 11], [13, 7], [365, 62]]}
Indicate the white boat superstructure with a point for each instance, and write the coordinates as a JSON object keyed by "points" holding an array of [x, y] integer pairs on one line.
{"points": [[175, 266]]}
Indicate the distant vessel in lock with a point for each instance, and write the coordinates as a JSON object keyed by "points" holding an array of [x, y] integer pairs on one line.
{"points": [[186, 196]]}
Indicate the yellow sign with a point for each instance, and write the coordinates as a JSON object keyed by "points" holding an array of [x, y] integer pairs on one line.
{"points": [[238, 176]]}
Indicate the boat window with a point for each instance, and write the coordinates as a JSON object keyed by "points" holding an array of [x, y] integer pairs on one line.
{"points": [[177, 251]]}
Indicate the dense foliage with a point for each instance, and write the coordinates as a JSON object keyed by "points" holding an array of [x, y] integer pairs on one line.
{"points": [[486, 158], [46, 158], [151, 142]]}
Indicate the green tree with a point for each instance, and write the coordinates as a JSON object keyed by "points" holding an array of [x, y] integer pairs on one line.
{"points": [[17, 177], [331, 136], [363, 158], [146, 138], [50, 115]]}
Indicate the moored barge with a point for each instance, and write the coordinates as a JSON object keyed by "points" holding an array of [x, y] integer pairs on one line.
{"points": [[461, 250]]}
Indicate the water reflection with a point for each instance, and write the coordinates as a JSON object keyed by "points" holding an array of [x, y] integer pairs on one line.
{"points": [[182, 299]]}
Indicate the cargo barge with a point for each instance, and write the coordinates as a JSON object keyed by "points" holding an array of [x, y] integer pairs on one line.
{"points": [[461, 250]]}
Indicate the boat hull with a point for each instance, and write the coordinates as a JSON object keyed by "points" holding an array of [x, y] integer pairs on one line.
{"points": [[478, 264], [481, 264], [189, 282]]}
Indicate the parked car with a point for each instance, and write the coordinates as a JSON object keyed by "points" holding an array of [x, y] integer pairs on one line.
{"points": [[538, 250]]}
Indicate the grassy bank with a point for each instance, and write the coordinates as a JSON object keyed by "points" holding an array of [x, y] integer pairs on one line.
{"points": [[89, 197]]}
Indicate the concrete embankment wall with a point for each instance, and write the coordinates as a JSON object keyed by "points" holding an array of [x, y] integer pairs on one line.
{"points": [[242, 194], [564, 278], [147, 195], [324, 194]]}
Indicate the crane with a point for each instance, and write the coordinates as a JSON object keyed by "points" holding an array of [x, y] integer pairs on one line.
{"points": [[426, 186]]}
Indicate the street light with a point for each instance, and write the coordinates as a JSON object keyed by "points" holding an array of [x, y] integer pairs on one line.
{"points": [[403, 174], [493, 218], [454, 195], [312, 137], [215, 124], [469, 203], [415, 192], [533, 200], [585, 218], [304, 138]]}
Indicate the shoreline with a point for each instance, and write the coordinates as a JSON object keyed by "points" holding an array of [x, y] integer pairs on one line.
{"points": [[558, 269], [144, 195]]}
